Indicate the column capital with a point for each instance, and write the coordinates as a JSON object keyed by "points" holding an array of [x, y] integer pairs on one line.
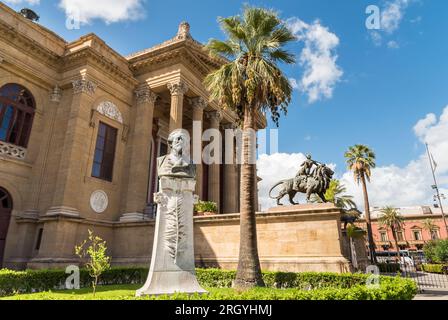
{"points": [[229, 126], [84, 86], [214, 115], [144, 94], [177, 88], [198, 103], [56, 94]]}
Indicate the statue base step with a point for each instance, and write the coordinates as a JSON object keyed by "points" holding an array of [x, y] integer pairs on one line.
{"points": [[170, 282]]}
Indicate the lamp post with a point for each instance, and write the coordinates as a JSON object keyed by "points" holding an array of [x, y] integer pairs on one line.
{"points": [[438, 196]]}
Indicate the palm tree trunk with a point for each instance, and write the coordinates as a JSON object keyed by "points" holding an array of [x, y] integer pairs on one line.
{"points": [[249, 270], [373, 259]]}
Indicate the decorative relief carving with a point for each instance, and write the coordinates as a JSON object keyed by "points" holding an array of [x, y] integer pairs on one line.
{"points": [[84, 86], [110, 110], [12, 151], [144, 94], [177, 88], [175, 235], [56, 95], [99, 201]]}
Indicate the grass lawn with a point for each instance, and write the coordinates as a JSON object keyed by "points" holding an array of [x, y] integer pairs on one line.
{"points": [[127, 292]]}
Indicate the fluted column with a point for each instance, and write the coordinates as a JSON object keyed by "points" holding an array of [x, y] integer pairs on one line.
{"points": [[140, 158], [230, 183], [178, 90], [198, 105], [214, 176], [75, 149]]}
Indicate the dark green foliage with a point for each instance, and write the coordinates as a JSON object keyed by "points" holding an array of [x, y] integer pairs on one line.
{"points": [[437, 251], [294, 286]]}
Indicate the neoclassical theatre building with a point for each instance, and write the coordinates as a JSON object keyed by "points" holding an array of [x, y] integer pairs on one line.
{"points": [[81, 127]]}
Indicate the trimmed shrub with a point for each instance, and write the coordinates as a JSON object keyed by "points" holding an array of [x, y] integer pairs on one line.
{"points": [[435, 268], [298, 286], [14, 282]]}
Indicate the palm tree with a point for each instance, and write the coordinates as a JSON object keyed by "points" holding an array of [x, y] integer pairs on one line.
{"points": [[429, 226], [336, 194], [250, 83], [393, 220], [361, 160]]}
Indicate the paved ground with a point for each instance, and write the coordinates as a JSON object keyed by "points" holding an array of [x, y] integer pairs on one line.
{"points": [[433, 294]]}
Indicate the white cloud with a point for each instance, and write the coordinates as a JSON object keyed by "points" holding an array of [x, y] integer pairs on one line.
{"points": [[410, 185], [294, 83], [318, 58], [109, 11], [29, 2], [376, 37], [391, 185], [393, 45], [392, 15]]}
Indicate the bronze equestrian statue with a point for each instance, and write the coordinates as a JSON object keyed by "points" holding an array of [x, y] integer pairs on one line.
{"points": [[306, 181]]}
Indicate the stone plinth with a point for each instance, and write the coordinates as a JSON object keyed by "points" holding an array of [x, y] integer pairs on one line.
{"points": [[298, 238], [172, 264]]}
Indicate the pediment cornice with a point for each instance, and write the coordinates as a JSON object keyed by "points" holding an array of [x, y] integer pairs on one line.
{"points": [[29, 46], [88, 55]]}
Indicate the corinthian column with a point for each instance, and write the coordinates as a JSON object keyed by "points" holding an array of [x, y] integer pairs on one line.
{"points": [[138, 165], [198, 105], [178, 90], [214, 176]]}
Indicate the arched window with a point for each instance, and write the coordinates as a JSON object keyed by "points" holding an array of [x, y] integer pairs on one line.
{"points": [[5, 200], [17, 107]]}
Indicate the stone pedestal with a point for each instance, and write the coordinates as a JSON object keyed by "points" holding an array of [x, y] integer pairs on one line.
{"points": [[172, 264]]}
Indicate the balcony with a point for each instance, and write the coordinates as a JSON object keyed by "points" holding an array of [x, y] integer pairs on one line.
{"points": [[12, 151]]}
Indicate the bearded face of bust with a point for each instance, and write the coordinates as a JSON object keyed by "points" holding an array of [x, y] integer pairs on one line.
{"points": [[177, 162]]}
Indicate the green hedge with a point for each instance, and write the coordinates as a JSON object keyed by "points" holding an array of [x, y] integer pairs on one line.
{"points": [[435, 268], [14, 282], [300, 286]]}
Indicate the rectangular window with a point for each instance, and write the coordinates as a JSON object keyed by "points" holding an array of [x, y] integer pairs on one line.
{"points": [[103, 161], [434, 235], [417, 235], [400, 236], [384, 237]]}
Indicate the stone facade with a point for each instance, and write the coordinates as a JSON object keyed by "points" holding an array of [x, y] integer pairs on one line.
{"points": [[76, 87]]}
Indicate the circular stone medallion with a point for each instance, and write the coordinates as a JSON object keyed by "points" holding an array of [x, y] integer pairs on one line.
{"points": [[99, 201]]}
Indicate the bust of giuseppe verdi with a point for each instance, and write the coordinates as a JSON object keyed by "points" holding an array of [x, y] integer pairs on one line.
{"points": [[177, 163]]}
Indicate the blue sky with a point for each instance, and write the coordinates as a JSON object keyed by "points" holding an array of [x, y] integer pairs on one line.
{"points": [[385, 88]]}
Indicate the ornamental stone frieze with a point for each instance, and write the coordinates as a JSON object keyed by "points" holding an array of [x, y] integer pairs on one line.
{"points": [[84, 86], [110, 110], [144, 94], [178, 88]]}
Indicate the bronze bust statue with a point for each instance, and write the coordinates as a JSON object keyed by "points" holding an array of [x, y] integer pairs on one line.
{"points": [[177, 163]]}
